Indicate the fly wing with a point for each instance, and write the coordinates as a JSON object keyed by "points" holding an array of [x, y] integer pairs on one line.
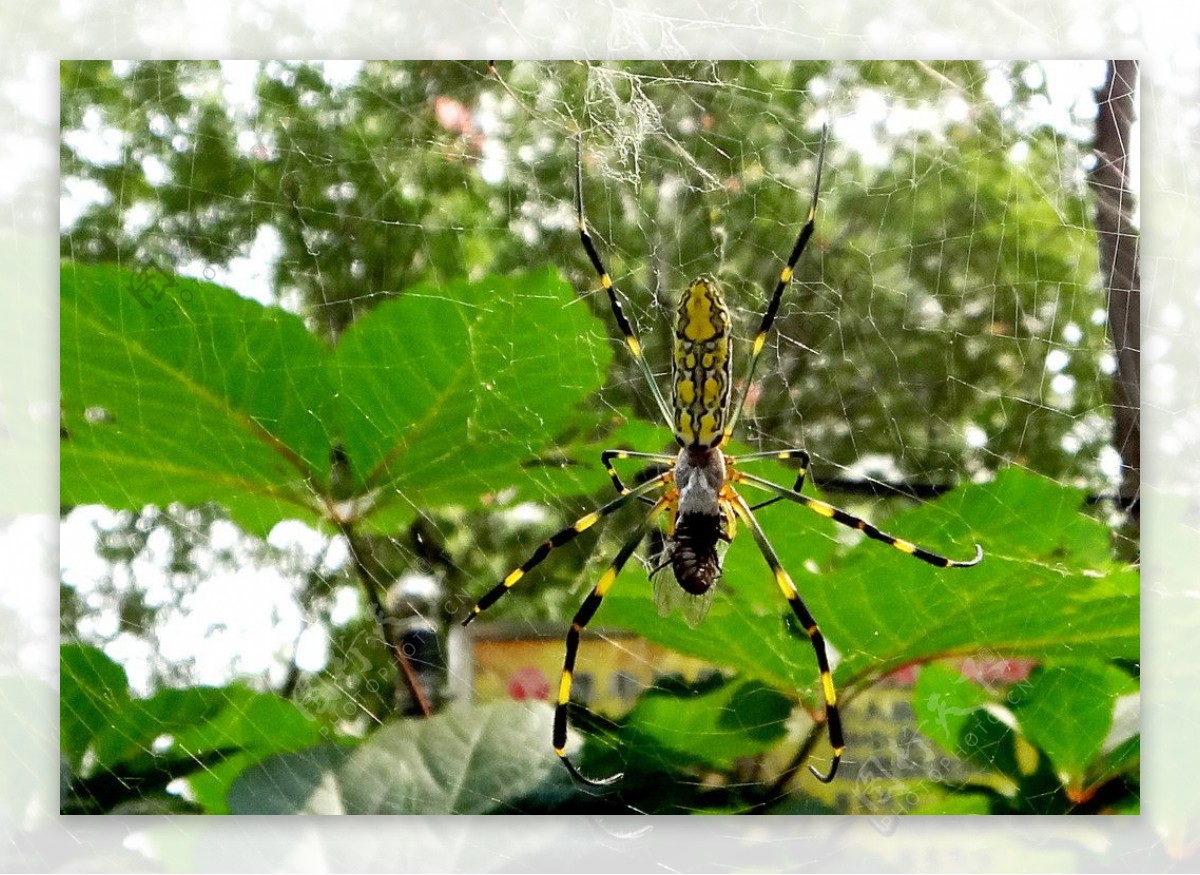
{"points": [[666, 591], [695, 607], [668, 595]]}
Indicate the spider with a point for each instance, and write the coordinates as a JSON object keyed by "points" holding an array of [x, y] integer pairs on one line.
{"points": [[697, 490]]}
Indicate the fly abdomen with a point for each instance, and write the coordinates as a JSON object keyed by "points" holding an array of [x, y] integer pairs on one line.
{"points": [[694, 557]]}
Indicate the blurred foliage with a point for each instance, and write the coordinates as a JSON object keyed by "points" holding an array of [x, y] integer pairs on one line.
{"points": [[426, 374], [953, 225]]}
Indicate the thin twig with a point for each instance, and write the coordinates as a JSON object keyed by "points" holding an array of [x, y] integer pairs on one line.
{"points": [[776, 790], [372, 586]]}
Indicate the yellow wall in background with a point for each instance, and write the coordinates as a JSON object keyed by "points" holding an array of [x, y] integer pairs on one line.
{"points": [[612, 670]]}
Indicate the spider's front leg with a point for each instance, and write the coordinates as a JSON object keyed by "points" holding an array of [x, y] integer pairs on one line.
{"points": [[850, 521], [563, 536], [606, 282]]}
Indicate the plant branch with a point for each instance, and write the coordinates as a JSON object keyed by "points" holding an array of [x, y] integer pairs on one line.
{"points": [[373, 586]]}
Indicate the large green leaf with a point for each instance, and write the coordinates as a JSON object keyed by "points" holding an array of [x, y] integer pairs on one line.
{"points": [[462, 761], [1045, 589], [179, 390], [443, 393]]}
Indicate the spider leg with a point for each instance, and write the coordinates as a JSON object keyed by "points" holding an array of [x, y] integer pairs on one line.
{"points": [[582, 617], [785, 277], [781, 456], [631, 340], [561, 537], [850, 521], [784, 581], [606, 458]]}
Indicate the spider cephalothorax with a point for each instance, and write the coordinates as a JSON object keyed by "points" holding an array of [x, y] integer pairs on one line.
{"points": [[696, 489]]}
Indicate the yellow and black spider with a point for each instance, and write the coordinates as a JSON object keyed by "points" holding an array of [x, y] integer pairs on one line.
{"points": [[697, 490]]}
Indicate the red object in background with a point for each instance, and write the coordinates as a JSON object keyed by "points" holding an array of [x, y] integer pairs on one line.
{"points": [[455, 116], [905, 676], [528, 683], [997, 671], [984, 671]]}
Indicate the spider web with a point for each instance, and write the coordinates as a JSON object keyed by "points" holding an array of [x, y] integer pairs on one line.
{"points": [[946, 322]]}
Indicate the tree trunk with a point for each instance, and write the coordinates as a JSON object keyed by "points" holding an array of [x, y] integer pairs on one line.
{"points": [[1118, 242]]}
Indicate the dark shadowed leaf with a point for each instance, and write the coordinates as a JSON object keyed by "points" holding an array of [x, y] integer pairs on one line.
{"points": [[92, 689], [711, 723]]}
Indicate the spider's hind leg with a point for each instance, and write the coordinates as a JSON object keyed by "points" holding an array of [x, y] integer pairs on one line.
{"points": [[582, 617], [784, 581]]}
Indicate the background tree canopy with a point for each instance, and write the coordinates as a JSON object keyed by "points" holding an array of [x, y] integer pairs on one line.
{"points": [[417, 381]]}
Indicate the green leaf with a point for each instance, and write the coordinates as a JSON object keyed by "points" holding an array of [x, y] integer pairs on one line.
{"points": [[207, 734], [1045, 589], [1067, 711], [943, 699], [145, 731], [462, 761], [179, 390], [185, 725], [92, 688], [304, 782], [252, 720], [444, 393], [712, 723]]}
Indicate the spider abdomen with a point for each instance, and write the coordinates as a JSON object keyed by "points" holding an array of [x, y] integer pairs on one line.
{"points": [[700, 372]]}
